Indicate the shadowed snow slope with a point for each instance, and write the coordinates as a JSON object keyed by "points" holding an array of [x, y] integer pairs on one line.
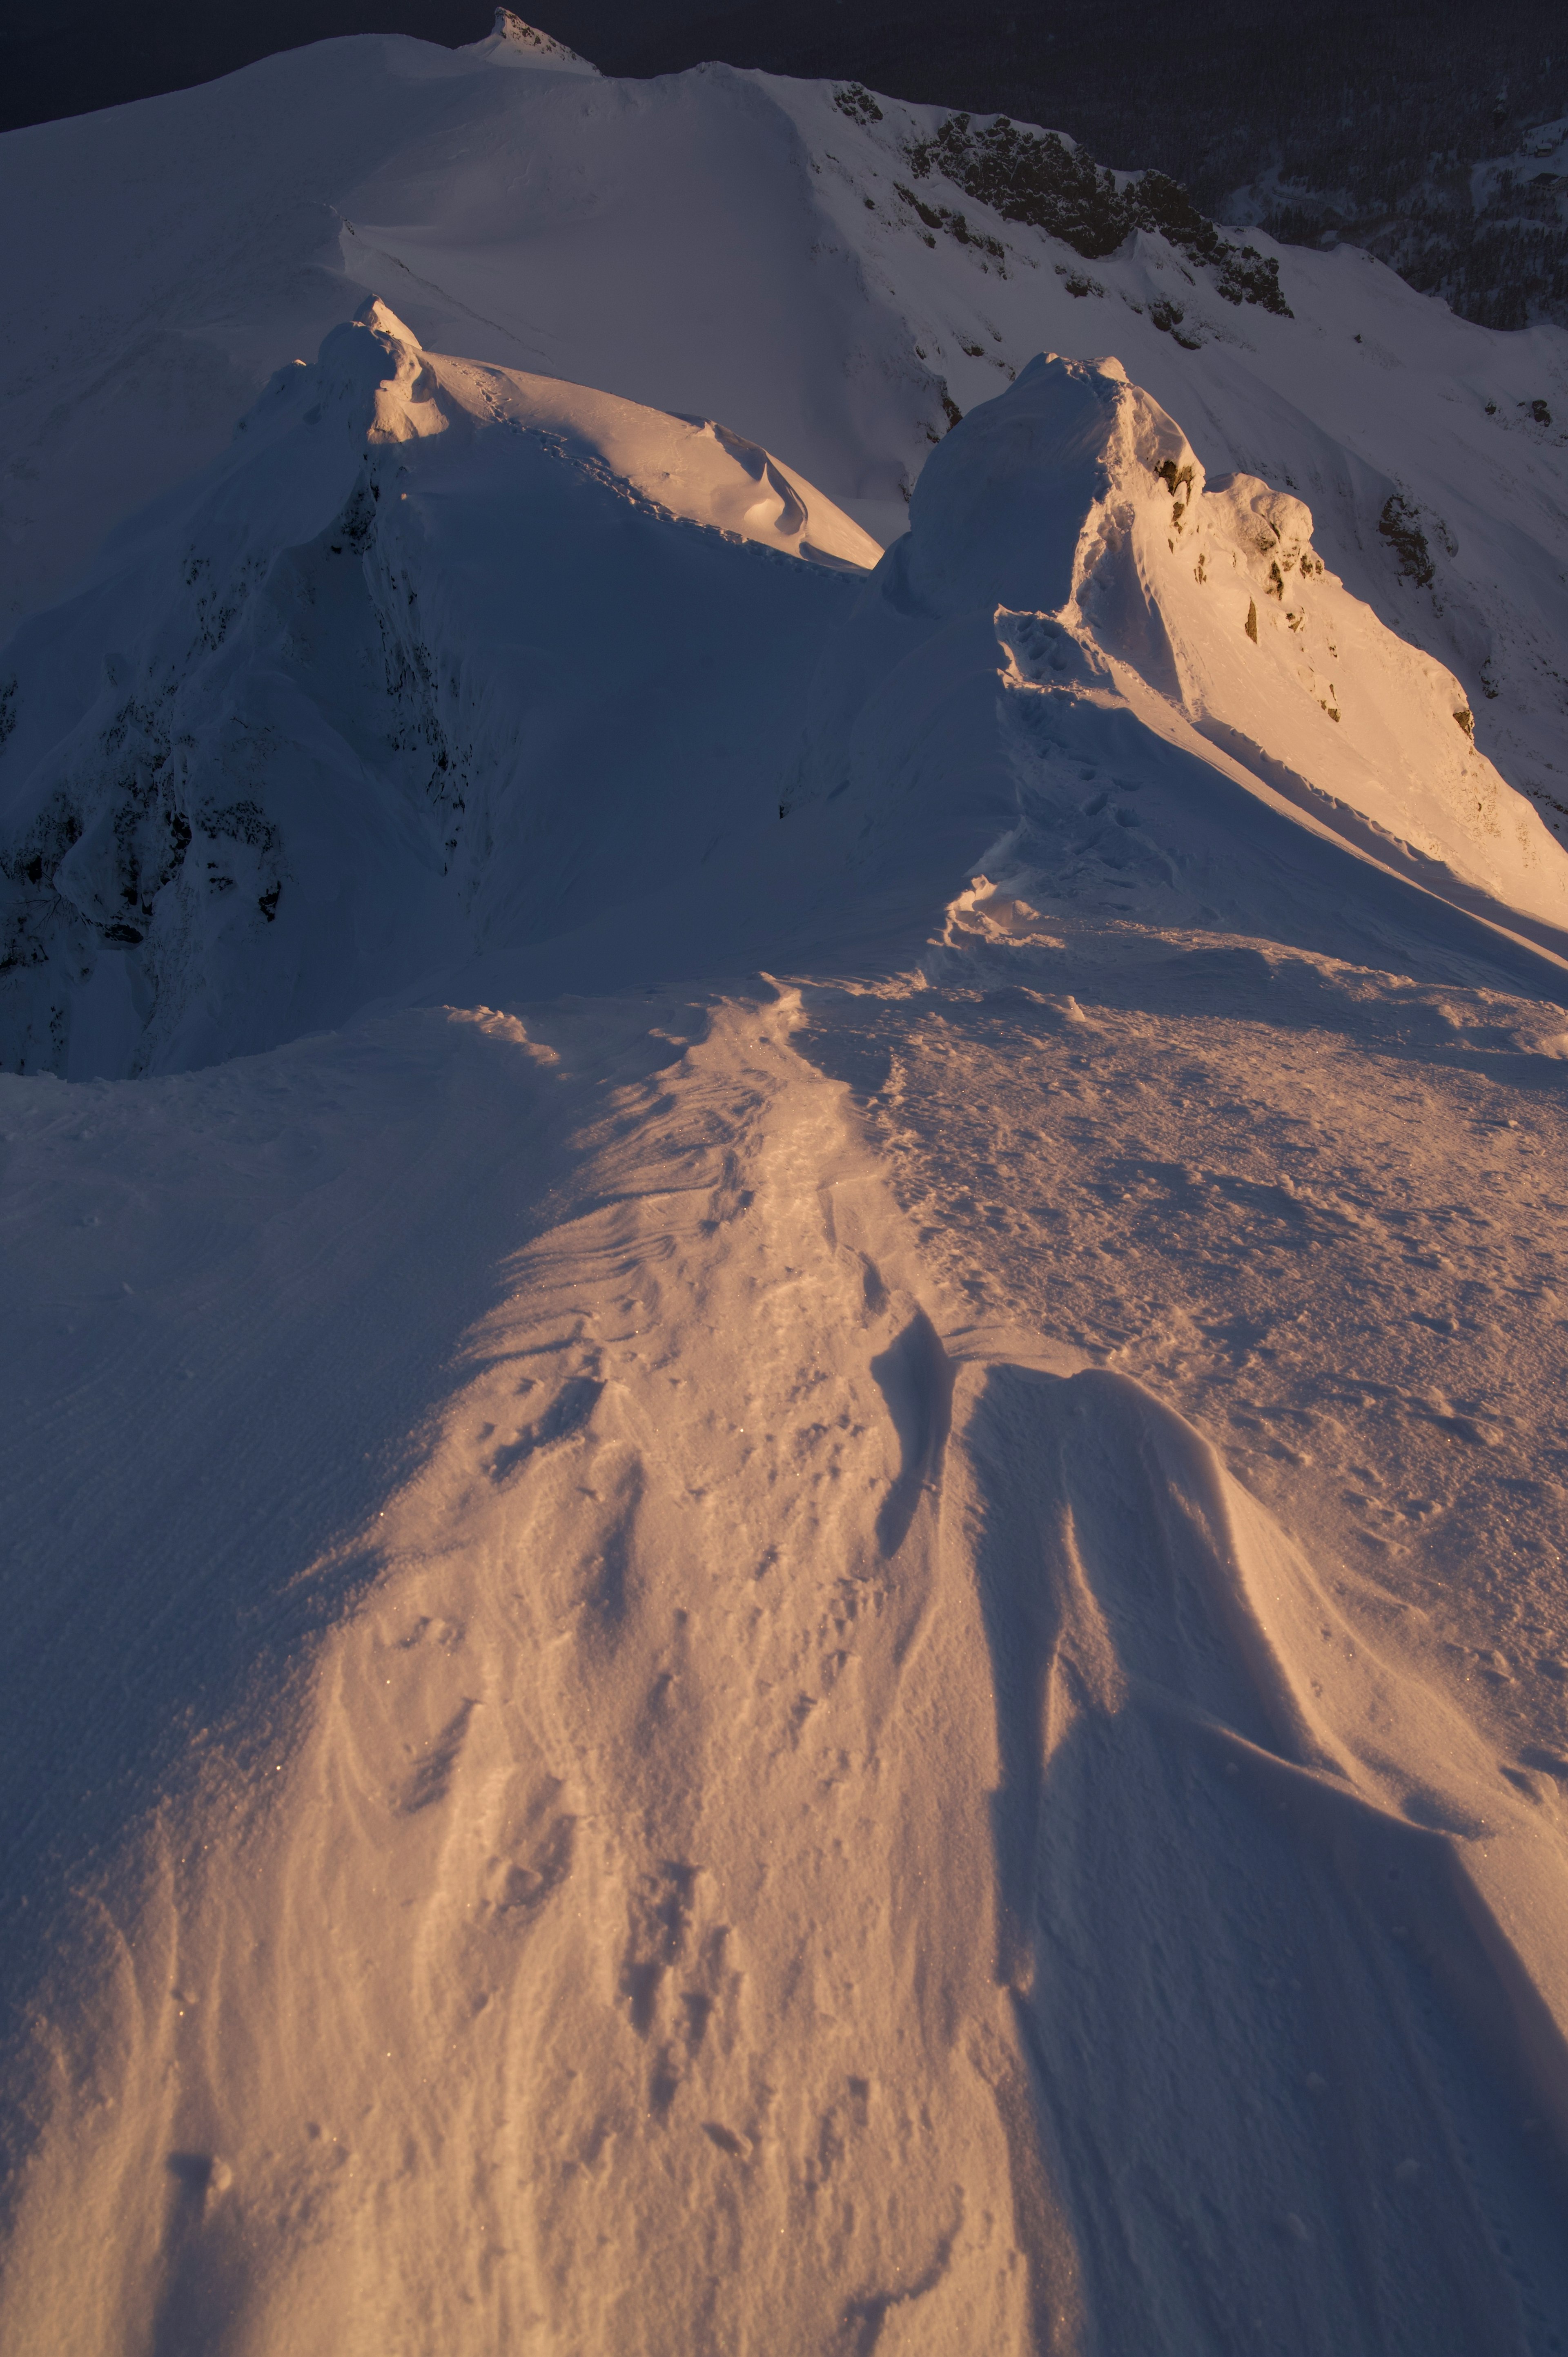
{"points": [[442, 661], [437, 654], [641, 1718]]}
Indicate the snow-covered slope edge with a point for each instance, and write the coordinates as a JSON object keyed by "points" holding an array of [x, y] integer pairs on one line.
{"points": [[561, 1670], [433, 652]]}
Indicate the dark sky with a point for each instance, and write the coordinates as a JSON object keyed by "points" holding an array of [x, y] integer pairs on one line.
{"points": [[1209, 89], [61, 58], [58, 60], [57, 57]]}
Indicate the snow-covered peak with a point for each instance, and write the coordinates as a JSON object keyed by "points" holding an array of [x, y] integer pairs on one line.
{"points": [[796, 258], [441, 655], [1215, 597], [1071, 520], [1075, 495], [438, 652], [375, 375], [514, 42], [998, 513]]}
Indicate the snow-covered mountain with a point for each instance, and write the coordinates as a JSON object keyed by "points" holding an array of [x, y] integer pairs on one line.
{"points": [[1068, 531], [781, 1404], [516, 208], [441, 660], [437, 654]]}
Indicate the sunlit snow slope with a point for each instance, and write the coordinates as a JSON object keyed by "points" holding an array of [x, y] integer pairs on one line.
{"points": [[784, 1334], [1188, 632]]}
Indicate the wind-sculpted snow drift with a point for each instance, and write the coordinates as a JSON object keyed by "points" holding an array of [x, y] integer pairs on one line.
{"points": [[621, 1737]]}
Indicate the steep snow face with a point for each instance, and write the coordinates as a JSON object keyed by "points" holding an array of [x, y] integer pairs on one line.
{"points": [[596, 1633], [436, 654], [1216, 598], [1172, 639], [792, 258]]}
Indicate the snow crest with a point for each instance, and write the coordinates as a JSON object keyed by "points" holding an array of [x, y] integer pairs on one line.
{"points": [[586, 1645]]}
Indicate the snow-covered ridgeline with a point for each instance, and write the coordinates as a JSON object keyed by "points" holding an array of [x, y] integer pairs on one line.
{"points": [[628, 1721], [1070, 522], [322, 723], [846, 296], [441, 658]]}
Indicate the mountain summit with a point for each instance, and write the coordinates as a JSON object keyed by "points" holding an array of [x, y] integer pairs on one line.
{"points": [[324, 719], [514, 42], [319, 726]]}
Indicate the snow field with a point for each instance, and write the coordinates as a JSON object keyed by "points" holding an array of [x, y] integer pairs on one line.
{"points": [[759, 1515]]}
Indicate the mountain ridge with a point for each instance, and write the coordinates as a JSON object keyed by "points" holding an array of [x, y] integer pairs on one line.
{"points": [[340, 755], [395, 167], [783, 1343], [1411, 133]]}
